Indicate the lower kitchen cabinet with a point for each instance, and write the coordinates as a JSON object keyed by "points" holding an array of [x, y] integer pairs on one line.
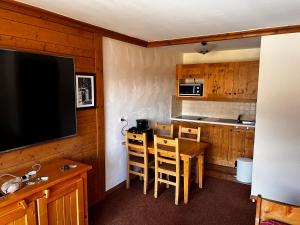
{"points": [[241, 143], [61, 200], [219, 140], [227, 143]]}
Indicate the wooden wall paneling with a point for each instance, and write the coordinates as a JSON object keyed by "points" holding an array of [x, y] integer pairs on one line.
{"points": [[30, 30], [39, 22], [63, 20], [40, 46]]}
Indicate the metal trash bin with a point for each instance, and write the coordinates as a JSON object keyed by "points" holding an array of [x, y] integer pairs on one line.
{"points": [[244, 170]]}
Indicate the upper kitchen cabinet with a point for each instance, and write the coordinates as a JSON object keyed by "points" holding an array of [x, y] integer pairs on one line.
{"points": [[190, 71], [219, 80], [234, 81], [246, 80]]}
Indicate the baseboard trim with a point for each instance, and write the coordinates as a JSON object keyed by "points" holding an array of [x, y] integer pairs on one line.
{"points": [[115, 188]]}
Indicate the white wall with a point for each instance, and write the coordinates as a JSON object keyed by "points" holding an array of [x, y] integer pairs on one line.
{"points": [[276, 167], [138, 83], [222, 56]]}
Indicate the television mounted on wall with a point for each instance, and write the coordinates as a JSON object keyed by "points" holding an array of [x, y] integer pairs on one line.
{"points": [[37, 98]]}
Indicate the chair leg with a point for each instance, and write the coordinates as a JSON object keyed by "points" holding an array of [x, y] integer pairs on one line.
{"points": [[168, 178], [128, 181], [128, 177], [155, 182], [145, 181], [177, 192], [196, 173]]}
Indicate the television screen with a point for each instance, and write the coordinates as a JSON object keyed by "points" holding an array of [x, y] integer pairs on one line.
{"points": [[37, 98]]}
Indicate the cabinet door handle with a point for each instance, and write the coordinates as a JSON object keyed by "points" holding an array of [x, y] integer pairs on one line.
{"points": [[23, 204], [46, 193]]}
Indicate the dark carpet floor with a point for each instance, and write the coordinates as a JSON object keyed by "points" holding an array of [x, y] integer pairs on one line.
{"points": [[220, 202]]}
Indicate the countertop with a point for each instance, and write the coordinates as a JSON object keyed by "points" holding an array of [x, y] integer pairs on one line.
{"points": [[211, 120]]}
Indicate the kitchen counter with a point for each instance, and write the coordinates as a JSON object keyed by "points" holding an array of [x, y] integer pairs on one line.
{"points": [[212, 120]]}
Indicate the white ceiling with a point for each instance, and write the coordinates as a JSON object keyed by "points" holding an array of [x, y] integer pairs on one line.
{"points": [[168, 19]]}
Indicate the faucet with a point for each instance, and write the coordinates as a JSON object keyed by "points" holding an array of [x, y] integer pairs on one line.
{"points": [[239, 118]]}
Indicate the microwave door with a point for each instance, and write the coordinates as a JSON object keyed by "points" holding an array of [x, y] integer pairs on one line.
{"points": [[185, 90], [190, 90]]}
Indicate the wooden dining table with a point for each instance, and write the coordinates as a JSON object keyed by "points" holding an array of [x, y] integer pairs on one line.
{"points": [[188, 150]]}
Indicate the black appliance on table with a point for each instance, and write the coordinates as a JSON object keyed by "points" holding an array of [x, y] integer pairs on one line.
{"points": [[142, 127]]}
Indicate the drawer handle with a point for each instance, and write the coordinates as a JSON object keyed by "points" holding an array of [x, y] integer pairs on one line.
{"points": [[165, 141]]}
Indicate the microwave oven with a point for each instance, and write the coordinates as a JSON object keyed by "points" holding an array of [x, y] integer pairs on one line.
{"points": [[190, 89]]}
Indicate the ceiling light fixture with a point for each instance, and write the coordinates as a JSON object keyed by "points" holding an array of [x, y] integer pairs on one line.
{"points": [[205, 48]]}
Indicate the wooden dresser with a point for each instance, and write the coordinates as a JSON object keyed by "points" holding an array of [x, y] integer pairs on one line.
{"points": [[60, 200]]}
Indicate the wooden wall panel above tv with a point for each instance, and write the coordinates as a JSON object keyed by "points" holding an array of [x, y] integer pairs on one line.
{"points": [[42, 34]]}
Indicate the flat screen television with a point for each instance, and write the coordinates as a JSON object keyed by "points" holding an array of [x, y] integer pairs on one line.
{"points": [[37, 98]]}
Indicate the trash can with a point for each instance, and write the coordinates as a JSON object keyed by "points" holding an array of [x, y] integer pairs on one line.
{"points": [[244, 170]]}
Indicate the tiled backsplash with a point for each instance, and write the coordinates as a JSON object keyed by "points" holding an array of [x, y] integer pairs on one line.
{"points": [[229, 110], [176, 106]]}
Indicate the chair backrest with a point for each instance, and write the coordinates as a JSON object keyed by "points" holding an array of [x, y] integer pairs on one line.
{"points": [[136, 144], [281, 212], [167, 151], [192, 134], [164, 130]]}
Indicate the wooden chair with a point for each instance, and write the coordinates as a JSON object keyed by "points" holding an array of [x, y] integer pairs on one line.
{"points": [[167, 161], [136, 146], [281, 212], [164, 130], [192, 134]]}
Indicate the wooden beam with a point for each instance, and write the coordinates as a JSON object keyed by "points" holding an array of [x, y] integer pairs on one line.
{"points": [[100, 116], [54, 17], [227, 36]]}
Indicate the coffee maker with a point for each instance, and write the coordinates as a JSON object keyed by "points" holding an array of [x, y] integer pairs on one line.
{"points": [[142, 126]]}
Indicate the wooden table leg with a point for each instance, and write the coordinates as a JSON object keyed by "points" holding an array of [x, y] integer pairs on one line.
{"points": [[200, 170], [186, 178]]}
